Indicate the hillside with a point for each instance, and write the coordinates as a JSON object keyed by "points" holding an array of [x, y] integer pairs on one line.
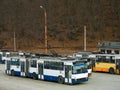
{"points": [[65, 24]]}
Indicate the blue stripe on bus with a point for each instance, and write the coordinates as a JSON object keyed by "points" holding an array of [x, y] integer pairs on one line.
{"points": [[17, 73], [50, 78], [30, 75], [2, 61], [55, 78]]}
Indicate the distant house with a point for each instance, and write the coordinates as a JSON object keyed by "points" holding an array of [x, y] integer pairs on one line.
{"points": [[109, 47]]}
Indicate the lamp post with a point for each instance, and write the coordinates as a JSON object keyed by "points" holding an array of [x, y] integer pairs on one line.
{"points": [[46, 41]]}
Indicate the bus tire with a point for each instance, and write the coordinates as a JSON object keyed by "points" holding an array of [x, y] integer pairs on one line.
{"points": [[60, 80], [111, 70], [12, 73], [34, 76]]}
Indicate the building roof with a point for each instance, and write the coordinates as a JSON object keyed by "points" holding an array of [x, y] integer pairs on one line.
{"points": [[109, 44]]}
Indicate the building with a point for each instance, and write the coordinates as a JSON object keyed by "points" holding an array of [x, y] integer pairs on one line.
{"points": [[109, 47]]}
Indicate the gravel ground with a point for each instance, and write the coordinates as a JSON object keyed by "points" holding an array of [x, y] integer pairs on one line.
{"points": [[98, 81]]}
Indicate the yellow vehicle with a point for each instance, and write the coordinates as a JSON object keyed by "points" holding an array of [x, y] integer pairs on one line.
{"points": [[107, 63]]}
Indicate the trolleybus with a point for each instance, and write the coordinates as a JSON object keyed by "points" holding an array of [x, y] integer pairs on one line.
{"points": [[107, 63], [87, 57], [3, 56], [48, 68]]}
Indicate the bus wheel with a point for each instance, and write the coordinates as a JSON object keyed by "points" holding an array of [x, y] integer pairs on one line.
{"points": [[60, 80], [111, 70], [12, 73], [34, 75]]}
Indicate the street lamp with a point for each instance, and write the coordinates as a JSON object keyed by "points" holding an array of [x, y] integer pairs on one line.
{"points": [[46, 41]]}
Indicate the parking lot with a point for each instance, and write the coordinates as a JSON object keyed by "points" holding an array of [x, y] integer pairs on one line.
{"points": [[98, 81]]}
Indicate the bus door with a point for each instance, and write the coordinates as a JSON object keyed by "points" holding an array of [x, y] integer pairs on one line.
{"points": [[8, 63], [27, 68], [68, 74], [118, 66], [22, 68], [40, 70]]}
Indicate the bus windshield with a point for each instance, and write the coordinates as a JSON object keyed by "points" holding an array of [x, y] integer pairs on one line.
{"points": [[79, 69]]}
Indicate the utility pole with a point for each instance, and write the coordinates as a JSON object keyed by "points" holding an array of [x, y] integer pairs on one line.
{"points": [[14, 42], [84, 38]]}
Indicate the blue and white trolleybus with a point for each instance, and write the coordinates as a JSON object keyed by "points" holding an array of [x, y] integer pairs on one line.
{"points": [[48, 68]]}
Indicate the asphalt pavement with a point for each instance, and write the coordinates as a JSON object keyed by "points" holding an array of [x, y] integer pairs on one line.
{"points": [[98, 81]]}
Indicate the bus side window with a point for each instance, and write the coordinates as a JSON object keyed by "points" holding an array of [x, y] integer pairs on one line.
{"points": [[112, 60], [33, 63], [107, 59], [53, 65], [104, 59], [98, 59], [88, 60], [15, 62], [4, 54], [46, 64], [18, 62], [7, 55]]}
